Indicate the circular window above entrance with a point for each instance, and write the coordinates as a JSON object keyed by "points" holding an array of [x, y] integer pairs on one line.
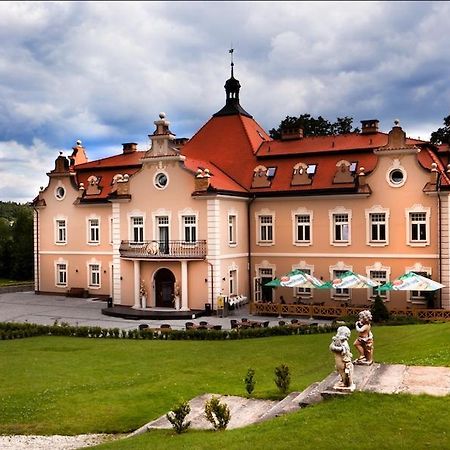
{"points": [[161, 180], [60, 192], [396, 176]]}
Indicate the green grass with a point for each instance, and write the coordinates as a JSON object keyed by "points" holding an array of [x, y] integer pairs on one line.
{"points": [[7, 282], [58, 385], [360, 421]]}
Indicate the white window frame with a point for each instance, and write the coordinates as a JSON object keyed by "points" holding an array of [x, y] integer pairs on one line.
{"points": [[91, 229], [372, 293], [377, 209], [259, 225], [58, 228], [133, 226], [340, 294], [396, 166], [299, 292], [233, 279], [265, 266], [333, 214], [190, 229], [417, 209], [295, 214], [90, 274], [232, 229], [187, 212], [420, 269], [58, 271]]}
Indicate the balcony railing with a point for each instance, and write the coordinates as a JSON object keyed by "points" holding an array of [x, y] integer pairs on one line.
{"points": [[163, 249]]}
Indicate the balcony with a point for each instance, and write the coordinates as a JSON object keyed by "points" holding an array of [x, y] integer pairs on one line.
{"points": [[163, 249]]}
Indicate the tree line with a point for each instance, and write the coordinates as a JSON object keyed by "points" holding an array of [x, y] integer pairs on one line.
{"points": [[16, 241]]}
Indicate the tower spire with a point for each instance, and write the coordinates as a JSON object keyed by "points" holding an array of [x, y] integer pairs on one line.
{"points": [[231, 56]]}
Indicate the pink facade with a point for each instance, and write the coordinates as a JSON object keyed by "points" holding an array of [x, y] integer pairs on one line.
{"points": [[177, 226]]}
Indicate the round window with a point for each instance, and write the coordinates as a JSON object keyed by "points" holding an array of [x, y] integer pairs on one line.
{"points": [[60, 193], [161, 180], [397, 177]]}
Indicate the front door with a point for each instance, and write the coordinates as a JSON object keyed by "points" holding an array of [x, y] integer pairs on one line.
{"points": [[164, 289]]}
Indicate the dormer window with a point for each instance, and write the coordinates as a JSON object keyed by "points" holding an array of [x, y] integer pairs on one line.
{"points": [[343, 172], [303, 173], [263, 176], [353, 166]]}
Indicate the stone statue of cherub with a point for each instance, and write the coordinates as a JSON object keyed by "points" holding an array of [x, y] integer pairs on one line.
{"points": [[343, 358], [364, 341]]}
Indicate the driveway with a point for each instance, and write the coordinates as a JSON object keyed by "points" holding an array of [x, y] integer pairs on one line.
{"points": [[45, 309]]}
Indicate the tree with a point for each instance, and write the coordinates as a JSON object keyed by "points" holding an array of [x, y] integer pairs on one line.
{"points": [[442, 135], [6, 243], [315, 127], [22, 250]]}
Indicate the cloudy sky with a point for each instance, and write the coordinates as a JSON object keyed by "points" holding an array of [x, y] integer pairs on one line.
{"points": [[102, 71]]}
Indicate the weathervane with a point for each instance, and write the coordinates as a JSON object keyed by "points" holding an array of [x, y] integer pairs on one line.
{"points": [[231, 53]]}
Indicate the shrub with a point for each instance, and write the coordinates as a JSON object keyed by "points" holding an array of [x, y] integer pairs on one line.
{"points": [[282, 378], [250, 381], [217, 414], [379, 311], [177, 415]]}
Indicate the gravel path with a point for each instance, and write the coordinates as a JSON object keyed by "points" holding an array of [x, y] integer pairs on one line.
{"points": [[56, 442]]}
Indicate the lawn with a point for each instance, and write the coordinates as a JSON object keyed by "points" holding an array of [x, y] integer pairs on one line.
{"points": [[58, 385], [7, 282]]}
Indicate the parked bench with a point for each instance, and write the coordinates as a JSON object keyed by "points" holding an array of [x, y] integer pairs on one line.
{"points": [[77, 292]]}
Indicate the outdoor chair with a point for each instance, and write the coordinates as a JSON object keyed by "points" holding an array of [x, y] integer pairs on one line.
{"points": [[143, 326], [189, 325], [281, 323], [244, 319], [266, 324], [203, 323], [165, 326], [234, 323], [294, 321]]}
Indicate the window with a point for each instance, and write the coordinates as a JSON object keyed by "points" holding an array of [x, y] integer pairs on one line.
{"points": [[94, 275], [419, 295], [418, 227], [301, 291], [311, 170], [61, 231], [396, 177], [340, 292], [377, 227], [161, 180], [232, 230], [137, 229], [381, 277], [265, 229], [232, 282], [60, 193], [190, 229], [303, 228], [94, 231], [61, 274], [341, 228]]}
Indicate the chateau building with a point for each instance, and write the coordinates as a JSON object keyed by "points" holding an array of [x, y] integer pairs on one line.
{"points": [[183, 222]]}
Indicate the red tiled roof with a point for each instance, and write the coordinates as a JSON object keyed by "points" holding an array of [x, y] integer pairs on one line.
{"points": [[320, 144], [229, 142]]}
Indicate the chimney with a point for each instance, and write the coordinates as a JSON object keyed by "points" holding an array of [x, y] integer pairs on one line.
{"points": [[288, 134], [369, 126], [129, 147]]}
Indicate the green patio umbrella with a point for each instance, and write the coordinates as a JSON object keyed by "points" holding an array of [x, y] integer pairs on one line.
{"points": [[411, 281], [352, 280], [296, 278]]}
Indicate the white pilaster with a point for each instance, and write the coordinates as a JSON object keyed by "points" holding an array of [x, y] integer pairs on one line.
{"points": [[445, 251], [213, 214], [117, 285], [37, 272], [184, 286], [137, 284]]}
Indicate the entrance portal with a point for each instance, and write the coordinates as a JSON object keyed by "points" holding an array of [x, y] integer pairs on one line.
{"points": [[164, 289]]}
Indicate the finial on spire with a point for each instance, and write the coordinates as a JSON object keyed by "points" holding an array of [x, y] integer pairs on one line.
{"points": [[232, 63]]}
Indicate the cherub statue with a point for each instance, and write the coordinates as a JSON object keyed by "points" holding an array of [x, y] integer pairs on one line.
{"points": [[343, 358], [364, 341]]}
